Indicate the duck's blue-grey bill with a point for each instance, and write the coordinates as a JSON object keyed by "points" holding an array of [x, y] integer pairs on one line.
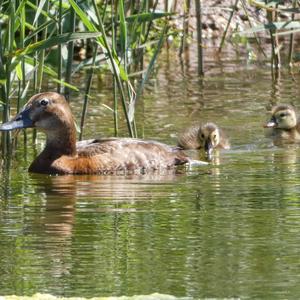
{"points": [[21, 120]]}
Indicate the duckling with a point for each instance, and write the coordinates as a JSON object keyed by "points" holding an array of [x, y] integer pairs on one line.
{"points": [[207, 136], [284, 125], [51, 113]]}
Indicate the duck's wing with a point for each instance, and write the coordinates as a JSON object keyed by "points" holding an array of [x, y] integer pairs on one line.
{"points": [[81, 145], [85, 143], [127, 154]]}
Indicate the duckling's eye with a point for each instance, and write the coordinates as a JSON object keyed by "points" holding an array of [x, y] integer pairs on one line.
{"points": [[44, 102], [282, 115], [202, 135]]}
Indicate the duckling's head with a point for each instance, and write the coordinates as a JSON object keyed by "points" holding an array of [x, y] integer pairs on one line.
{"points": [[209, 137], [283, 116], [48, 112]]}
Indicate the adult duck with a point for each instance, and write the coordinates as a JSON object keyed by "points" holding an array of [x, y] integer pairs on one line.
{"points": [[51, 113], [206, 136], [284, 125]]}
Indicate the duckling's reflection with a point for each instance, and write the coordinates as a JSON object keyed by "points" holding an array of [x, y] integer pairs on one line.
{"points": [[213, 160], [286, 159]]}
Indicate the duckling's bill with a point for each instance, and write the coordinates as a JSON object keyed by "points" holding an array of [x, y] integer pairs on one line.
{"points": [[271, 123], [208, 148]]}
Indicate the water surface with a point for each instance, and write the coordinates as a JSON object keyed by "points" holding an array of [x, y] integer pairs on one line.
{"points": [[229, 229]]}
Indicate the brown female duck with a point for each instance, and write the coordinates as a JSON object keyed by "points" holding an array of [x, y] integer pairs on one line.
{"points": [[51, 113], [207, 136], [284, 125]]}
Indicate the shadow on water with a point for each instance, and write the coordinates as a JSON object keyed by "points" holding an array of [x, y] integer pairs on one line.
{"points": [[229, 229]]}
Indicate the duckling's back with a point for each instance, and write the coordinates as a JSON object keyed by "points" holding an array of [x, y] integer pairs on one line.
{"points": [[188, 139]]}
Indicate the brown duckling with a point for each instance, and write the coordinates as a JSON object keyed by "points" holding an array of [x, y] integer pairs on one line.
{"points": [[206, 136], [284, 125], [51, 113]]}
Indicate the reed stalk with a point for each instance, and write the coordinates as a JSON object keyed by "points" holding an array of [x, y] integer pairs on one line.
{"points": [[115, 96], [251, 26], [87, 92], [199, 37], [186, 22], [234, 8], [59, 55], [70, 58], [114, 67], [291, 42], [275, 58], [151, 22], [41, 54], [152, 62]]}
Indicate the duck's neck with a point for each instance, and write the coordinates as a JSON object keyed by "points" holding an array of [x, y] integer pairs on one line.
{"points": [[61, 142]]}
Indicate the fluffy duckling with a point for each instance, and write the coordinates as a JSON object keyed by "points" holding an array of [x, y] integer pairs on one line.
{"points": [[284, 125], [51, 113], [207, 136]]}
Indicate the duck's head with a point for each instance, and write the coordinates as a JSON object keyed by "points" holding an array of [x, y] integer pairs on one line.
{"points": [[283, 116], [209, 137], [48, 112]]}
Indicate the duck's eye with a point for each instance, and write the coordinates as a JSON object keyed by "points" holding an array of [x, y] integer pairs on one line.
{"points": [[282, 115], [202, 135], [44, 102]]}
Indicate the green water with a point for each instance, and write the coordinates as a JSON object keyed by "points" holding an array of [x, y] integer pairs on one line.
{"points": [[230, 229]]}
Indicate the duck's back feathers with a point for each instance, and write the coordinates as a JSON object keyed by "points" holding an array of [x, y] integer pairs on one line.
{"points": [[120, 155]]}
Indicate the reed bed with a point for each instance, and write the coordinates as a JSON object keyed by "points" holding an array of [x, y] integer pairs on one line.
{"points": [[33, 32]]}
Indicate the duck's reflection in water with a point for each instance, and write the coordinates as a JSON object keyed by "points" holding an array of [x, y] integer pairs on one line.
{"points": [[61, 195]]}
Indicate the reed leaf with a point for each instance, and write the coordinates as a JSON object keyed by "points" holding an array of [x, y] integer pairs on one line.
{"points": [[52, 73], [39, 10], [287, 32], [272, 26], [147, 17], [101, 39], [51, 42], [123, 29], [152, 62]]}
